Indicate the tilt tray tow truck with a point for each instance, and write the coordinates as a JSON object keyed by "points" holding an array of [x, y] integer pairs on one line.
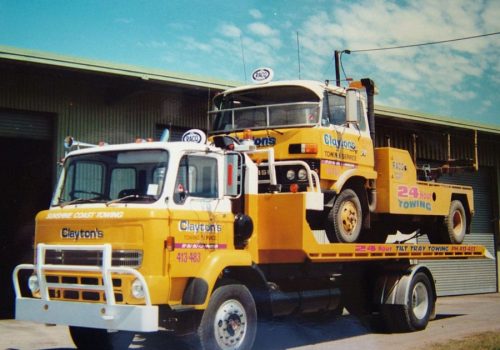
{"points": [[177, 236]]}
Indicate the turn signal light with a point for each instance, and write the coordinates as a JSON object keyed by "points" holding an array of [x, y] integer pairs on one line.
{"points": [[294, 188], [303, 148], [170, 243], [247, 134]]}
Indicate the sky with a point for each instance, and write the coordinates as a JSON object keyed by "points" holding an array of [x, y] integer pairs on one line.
{"points": [[228, 39]]}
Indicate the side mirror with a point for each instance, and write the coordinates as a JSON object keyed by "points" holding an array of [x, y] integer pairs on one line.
{"points": [[180, 194], [351, 106]]}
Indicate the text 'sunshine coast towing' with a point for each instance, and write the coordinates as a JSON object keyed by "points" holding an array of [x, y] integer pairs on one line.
{"points": [[177, 236]]}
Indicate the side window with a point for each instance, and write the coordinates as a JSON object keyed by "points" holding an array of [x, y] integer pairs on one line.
{"points": [[197, 177], [123, 182], [336, 104]]}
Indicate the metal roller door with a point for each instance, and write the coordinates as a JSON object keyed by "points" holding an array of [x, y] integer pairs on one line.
{"points": [[455, 277], [26, 186], [24, 125]]}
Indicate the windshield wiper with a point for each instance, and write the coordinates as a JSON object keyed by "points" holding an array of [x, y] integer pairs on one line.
{"points": [[135, 196], [274, 130], [81, 200]]}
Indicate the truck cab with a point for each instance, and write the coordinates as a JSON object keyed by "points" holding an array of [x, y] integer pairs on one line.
{"points": [[301, 120]]}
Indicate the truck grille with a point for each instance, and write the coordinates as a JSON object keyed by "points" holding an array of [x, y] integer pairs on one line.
{"points": [[122, 258], [82, 294]]}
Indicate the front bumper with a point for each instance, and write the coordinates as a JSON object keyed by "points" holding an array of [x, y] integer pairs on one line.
{"points": [[138, 318], [106, 315]]}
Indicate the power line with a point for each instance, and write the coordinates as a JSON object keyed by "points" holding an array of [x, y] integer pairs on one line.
{"points": [[424, 44]]}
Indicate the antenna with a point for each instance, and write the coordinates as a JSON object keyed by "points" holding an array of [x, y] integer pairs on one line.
{"points": [[298, 51], [243, 59]]}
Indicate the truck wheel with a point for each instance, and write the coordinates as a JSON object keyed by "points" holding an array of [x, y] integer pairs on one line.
{"points": [[454, 224], [93, 338], [230, 320], [415, 314], [345, 219]]}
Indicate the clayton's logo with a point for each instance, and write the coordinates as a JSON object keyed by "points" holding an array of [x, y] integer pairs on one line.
{"points": [[67, 233], [338, 143]]}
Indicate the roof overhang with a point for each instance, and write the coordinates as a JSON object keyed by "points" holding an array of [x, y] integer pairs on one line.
{"points": [[395, 113], [67, 62]]}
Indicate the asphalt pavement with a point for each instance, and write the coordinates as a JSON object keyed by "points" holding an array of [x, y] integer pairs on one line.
{"points": [[457, 317]]}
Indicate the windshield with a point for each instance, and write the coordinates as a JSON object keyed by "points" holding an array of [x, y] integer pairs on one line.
{"points": [[265, 107], [108, 177]]}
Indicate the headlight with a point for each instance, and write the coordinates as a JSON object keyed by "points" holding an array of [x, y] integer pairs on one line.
{"points": [[33, 284], [290, 174], [302, 174], [137, 289]]}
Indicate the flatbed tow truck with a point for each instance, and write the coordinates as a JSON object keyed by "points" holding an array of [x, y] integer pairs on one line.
{"points": [[176, 236]]}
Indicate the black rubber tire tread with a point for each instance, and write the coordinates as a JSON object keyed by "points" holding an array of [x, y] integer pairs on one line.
{"points": [[237, 292], [400, 318], [101, 339], [447, 232], [444, 232], [333, 226]]}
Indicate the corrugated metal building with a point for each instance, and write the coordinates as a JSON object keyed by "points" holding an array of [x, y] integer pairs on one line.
{"points": [[45, 97]]}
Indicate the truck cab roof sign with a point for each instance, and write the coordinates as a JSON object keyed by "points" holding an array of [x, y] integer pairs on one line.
{"points": [[262, 75], [194, 135]]}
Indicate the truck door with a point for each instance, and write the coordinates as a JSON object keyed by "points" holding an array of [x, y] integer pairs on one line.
{"points": [[200, 217], [346, 143]]}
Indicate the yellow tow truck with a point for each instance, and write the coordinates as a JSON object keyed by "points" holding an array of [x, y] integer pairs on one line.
{"points": [[369, 192], [177, 236]]}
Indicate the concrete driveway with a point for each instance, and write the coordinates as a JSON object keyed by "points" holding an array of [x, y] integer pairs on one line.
{"points": [[457, 317]]}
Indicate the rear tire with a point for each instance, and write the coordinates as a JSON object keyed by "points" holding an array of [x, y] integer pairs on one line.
{"points": [[94, 338], [416, 313], [345, 219], [453, 226]]}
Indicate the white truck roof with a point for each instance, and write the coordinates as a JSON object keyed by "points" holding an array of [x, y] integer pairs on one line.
{"points": [[169, 146], [315, 86]]}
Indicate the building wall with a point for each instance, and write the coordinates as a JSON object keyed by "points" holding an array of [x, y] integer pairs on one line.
{"points": [[94, 108]]}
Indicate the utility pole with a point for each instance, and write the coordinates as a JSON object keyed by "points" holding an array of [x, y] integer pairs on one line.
{"points": [[337, 67]]}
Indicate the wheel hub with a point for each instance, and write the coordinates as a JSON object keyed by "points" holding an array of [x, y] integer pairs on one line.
{"points": [[230, 325], [349, 217], [420, 300]]}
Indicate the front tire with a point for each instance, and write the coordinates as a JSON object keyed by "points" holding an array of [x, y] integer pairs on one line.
{"points": [[345, 219], [94, 338], [230, 320]]}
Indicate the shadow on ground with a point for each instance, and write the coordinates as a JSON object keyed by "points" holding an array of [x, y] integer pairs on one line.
{"points": [[272, 335], [278, 334]]}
